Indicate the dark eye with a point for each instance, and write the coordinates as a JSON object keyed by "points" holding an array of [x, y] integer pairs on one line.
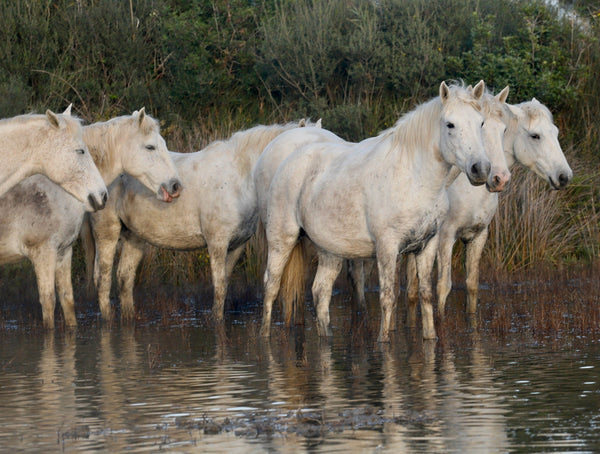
{"points": [[482, 123], [150, 147], [535, 136], [450, 125], [80, 151]]}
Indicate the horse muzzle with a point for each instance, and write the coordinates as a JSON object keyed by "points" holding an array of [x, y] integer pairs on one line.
{"points": [[562, 179], [478, 172], [170, 191], [98, 201]]}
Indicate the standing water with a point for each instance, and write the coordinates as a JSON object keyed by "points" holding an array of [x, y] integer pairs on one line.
{"points": [[196, 389]]}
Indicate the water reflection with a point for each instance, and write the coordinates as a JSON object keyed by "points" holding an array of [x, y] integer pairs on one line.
{"points": [[190, 388]]}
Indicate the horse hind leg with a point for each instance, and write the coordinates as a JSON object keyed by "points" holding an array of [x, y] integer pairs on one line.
{"points": [[327, 271], [132, 252], [64, 287], [279, 253]]}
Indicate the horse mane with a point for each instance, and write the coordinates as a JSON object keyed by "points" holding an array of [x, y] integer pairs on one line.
{"points": [[250, 143], [418, 129]]}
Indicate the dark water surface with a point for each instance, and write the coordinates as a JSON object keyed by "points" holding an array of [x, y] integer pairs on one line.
{"points": [[190, 388]]}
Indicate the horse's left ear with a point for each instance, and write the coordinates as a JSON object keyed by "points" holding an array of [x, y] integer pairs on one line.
{"points": [[503, 95], [53, 119], [479, 89], [302, 123], [444, 91], [67, 111]]}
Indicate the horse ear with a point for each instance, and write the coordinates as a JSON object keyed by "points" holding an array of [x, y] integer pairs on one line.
{"points": [[318, 123], [141, 115], [479, 89], [67, 111], [503, 95], [53, 119], [444, 91], [302, 123]]}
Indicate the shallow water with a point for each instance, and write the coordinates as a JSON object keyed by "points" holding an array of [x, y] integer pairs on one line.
{"points": [[196, 389]]}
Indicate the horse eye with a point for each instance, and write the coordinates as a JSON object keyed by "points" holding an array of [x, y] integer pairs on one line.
{"points": [[482, 123], [535, 136], [80, 151], [150, 147], [450, 125]]}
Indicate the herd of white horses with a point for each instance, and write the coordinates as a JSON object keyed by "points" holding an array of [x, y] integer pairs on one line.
{"points": [[414, 189]]}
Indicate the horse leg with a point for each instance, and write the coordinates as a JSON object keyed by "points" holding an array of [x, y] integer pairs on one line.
{"points": [[64, 287], [279, 252], [356, 274], [386, 267], [44, 264], [327, 271], [425, 260], [132, 252], [412, 291], [444, 263], [217, 251], [474, 252], [106, 228], [89, 251]]}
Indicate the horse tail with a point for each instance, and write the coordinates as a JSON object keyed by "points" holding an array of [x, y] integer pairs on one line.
{"points": [[293, 285], [89, 251]]}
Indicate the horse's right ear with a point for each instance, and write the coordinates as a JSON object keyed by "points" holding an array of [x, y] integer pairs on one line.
{"points": [[141, 115], [444, 91], [53, 119], [503, 95], [67, 111], [479, 89], [318, 123]]}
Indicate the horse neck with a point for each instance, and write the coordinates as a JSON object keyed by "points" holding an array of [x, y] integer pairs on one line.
{"points": [[414, 145], [18, 142], [101, 140]]}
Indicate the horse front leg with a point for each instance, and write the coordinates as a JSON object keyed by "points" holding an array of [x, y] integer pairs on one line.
{"points": [[64, 287], [327, 271], [106, 230], [356, 274], [386, 267], [44, 264], [132, 252], [217, 251], [425, 260], [412, 291], [474, 252], [444, 263]]}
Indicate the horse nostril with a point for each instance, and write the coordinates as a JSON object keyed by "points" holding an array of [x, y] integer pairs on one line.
{"points": [[104, 197], [175, 187], [563, 179]]}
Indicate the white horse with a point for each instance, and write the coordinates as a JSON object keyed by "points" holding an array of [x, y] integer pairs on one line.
{"points": [[531, 139], [380, 197], [217, 210], [41, 221], [494, 111], [52, 145]]}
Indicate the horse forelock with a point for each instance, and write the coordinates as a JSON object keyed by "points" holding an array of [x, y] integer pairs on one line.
{"points": [[535, 109]]}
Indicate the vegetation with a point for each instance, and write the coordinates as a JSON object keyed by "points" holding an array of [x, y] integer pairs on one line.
{"points": [[207, 68]]}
